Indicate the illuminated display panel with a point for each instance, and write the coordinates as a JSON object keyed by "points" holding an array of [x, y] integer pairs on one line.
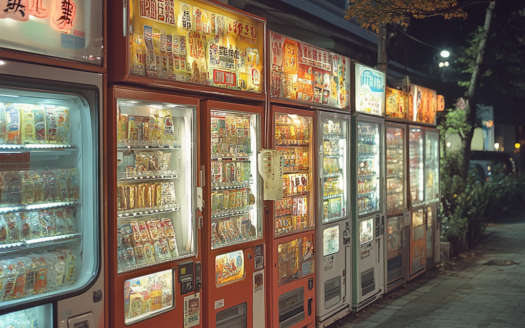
{"points": [[302, 72], [69, 29], [196, 42], [396, 103], [369, 90], [423, 104]]}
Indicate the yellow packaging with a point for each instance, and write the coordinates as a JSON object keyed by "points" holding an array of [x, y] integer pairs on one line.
{"points": [[226, 200], [132, 134], [27, 129], [149, 250], [122, 131], [233, 194], [135, 301], [131, 196]]}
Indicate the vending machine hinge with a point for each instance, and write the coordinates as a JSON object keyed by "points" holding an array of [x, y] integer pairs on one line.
{"points": [[200, 222]]}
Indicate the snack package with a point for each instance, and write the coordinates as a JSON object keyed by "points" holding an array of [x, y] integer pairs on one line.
{"points": [[63, 193], [69, 217], [135, 301], [140, 191], [63, 134], [39, 185], [156, 298], [132, 133], [73, 184], [28, 188], [140, 255], [25, 225], [149, 250], [130, 195], [130, 257], [12, 124], [122, 128], [31, 272], [167, 128], [168, 194], [164, 160], [152, 228], [3, 230], [137, 239], [55, 271], [10, 274], [13, 226], [27, 127], [60, 222], [41, 274], [122, 264], [40, 124], [144, 234], [20, 281], [12, 188], [142, 162], [160, 229], [51, 124], [50, 187], [162, 253], [46, 222]]}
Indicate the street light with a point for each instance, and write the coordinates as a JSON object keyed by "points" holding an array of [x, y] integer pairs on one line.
{"points": [[445, 54]]}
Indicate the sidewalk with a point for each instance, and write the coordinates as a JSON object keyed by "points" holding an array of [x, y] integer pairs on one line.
{"points": [[466, 293]]}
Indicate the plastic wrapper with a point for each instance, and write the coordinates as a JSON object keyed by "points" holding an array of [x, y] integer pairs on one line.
{"points": [[40, 124], [152, 228], [3, 124], [167, 127], [41, 274], [164, 160], [27, 127], [50, 187], [13, 226], [63, 193], [3, 230], [31, 273], [60, 222], [149, 250], [144, 233], [46, 222], [69, 217], [12, 124], [168, 194], [39, 185], [73, 184]]}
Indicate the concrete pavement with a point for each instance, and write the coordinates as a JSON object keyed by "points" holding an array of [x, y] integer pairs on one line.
{"points": [[465, 293]]}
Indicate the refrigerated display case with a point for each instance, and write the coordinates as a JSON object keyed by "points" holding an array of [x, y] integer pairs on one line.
{"points": [[368, 184], [152, 160], [232, 240], [333, 209], [417, 199], [432, 195], [291, 234], [398, 216], [50, 199]]}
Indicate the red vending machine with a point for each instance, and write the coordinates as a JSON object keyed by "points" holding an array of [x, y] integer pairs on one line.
{"points": [[306, 83], [398, 216], [423, 177], [52, 178], [186, 101]]}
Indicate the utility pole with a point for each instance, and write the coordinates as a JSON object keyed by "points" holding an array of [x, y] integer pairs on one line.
{"points": [[381, 49]]}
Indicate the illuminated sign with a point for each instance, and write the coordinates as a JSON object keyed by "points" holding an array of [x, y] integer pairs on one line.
{"points": [[196, 42], [302, 72], [61, 28], [396, 103], [369, 90], [422, 104]]}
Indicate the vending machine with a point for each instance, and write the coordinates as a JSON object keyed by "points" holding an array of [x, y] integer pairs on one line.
{"points": [[398, 217], [196, 213], [422, 111], [52, 199], [368, 185], [432, 195], [309, 90]]}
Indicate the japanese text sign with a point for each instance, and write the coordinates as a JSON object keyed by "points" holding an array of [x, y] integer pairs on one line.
{"points": [[196, 42], [422, 104], [369, 90], [302, 72], [396, 103], [70, 29]]}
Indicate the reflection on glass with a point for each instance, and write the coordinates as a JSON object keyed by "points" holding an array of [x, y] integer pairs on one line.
{"points": [[229, 268], [432, 166], [292, 140], [39, 316], [430, 234], [394, 242], [234, 198], [395, 185], [331, 240], [147, 296], [154, 173], [366, 231], [368, 170], [48, 194], [334, 159], [416, 138], [295, 260]]}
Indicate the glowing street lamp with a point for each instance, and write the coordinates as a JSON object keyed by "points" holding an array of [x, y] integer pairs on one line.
{"points": [[445, 54]]}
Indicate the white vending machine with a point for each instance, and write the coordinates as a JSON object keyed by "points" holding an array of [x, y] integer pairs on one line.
{"points": [[51, 200]]}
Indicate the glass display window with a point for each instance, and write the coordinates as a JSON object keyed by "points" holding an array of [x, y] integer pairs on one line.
{"points": [[416, 165], [394, 236], [369, 90], [229, 268], [196, 42], [148, 296], [395, 168], [38, 316], [366, 231], [49, 209], [396, 103], [331, 240], [431, 165], [369, 167], [155, 160], [295, 260], [293, 142], [235, 197], [334, 158], [69, 29], [305, 73]]}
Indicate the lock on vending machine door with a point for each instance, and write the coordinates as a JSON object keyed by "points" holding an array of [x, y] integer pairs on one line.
{"points": [[186, 277]]}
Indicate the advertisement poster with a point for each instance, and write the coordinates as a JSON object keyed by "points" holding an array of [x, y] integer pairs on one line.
{"points": [[366, 231], [423, 104], [192, 310], [331, 240], [369, 90], [295, 260], [302, 72], [229, 268], [394, 241], [258, 300], [441, 103], [70, 29], [396, 103], [197, 42]]}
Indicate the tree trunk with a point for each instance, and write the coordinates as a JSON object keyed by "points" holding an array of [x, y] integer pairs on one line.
{"points": [[471, 92]]}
